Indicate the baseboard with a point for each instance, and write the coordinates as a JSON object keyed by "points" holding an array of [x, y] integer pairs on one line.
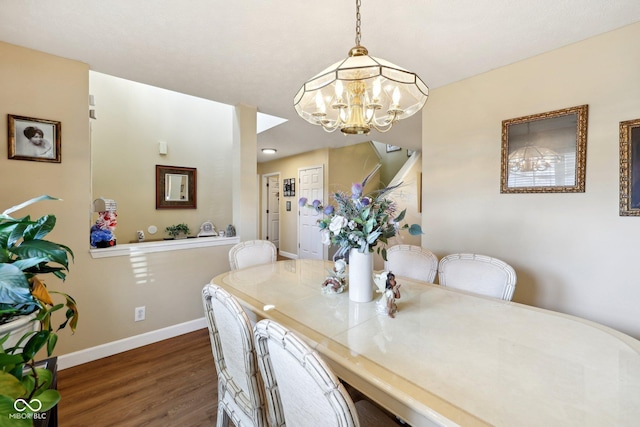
{"points": [[109, 349], [289, 255]]}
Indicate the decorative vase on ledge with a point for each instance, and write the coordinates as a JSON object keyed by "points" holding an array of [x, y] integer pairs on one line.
{"points": [[360, 276]]}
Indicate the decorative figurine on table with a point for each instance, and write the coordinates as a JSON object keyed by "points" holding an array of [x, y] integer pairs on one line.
{"points": [[102, 232], [390, 290], [335, 281]]}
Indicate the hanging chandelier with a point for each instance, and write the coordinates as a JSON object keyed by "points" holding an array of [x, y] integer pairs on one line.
{"points": [[532, 159], [360, 92]]}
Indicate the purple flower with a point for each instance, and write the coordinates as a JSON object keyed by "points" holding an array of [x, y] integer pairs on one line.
{"points": [[365, 201], [302, 202], [328, 210], [356, 190], [316, 203]]}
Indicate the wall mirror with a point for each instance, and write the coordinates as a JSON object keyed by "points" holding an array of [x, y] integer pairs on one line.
{"points": [[545, 153], [175, 187], [630, 168]]}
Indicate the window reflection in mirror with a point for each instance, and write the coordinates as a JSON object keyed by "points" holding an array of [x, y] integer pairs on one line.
{"points": [[176, 187]]}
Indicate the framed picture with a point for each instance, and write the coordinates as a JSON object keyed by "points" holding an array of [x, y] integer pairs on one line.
{"points": [[391, 148], [630, 168], [34, 139], [545, 153], [410, 153], [289, 187], [175, 187]]}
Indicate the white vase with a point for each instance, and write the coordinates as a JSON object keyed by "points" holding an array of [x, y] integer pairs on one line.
{"points": [[360, 276]]}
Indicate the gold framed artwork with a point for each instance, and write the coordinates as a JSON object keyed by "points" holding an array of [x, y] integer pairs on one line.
{"points": [[545, 153], [630, 168], [34, 139]]}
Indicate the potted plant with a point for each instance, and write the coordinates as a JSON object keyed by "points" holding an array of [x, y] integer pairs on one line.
{"points": [[176, 231], [25, 258]]}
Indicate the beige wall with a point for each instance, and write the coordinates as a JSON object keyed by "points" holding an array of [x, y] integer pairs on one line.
{"points": [[572, 252], [107, 290], [132, 119]]}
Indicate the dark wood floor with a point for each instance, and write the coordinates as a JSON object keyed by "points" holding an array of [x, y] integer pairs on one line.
{"points": [[169, 383]]}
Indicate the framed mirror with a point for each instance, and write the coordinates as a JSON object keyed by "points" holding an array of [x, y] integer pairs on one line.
{"points": [[630, 168], [545, 153], [175, 187]]}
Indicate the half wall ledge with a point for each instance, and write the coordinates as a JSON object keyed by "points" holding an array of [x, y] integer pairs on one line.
{"points": [[129, 249]]}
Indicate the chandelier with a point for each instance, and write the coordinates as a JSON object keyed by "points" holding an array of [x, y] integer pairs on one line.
{"points": [[360, 92], [532, 159]]}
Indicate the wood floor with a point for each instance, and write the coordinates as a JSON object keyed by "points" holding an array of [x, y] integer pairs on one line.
{"points": [[169, 383]]}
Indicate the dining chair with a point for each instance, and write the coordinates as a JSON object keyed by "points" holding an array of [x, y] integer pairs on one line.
{"points": [[412, 261], [477, 273], [301, 389], [241, 397], [252, 252]]}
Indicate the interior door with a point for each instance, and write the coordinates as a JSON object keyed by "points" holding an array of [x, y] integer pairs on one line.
{"points": [[311, 186], [273, 210]]}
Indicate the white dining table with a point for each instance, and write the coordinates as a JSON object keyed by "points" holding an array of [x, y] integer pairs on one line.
{"points": [[454, 358]]}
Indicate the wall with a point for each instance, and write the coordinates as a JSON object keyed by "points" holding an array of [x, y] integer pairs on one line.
{"points": [[107, 290], [132, 118], [391, 162], [572, 252], [288, 168]]}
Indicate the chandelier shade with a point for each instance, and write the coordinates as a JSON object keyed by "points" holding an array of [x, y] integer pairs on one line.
{"points": [[532, 159], [360, 92]]}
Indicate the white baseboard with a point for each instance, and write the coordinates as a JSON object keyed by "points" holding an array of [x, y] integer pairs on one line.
{"points": [[289, 255], [109, 349]]}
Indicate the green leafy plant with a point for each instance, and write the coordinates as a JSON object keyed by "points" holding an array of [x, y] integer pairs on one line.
{"points": [[25, 256], [175, 230]]}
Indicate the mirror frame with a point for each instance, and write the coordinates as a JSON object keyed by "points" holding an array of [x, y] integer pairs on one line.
{"points": [[630, 168], [581, 112], [161, 178]]}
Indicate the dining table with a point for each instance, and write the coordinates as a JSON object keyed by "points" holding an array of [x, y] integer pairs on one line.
{"points": [[450, 357]]}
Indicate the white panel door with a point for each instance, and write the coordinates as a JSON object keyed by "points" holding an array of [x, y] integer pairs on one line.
{"points": [[311, 186], [273, 209]]}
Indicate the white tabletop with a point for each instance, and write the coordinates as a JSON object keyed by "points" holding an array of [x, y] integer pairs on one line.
{"points": [[449, 357]]}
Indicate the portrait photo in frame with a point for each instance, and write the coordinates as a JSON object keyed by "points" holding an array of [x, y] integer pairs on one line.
{"points": [[630, 168], [545, 153], [34, 139]]}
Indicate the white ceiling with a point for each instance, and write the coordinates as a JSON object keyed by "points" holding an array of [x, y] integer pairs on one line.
{"points": [[259, 52]]}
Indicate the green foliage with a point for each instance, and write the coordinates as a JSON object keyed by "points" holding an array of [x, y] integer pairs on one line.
{"points": [[175, 230], [25, 256]]}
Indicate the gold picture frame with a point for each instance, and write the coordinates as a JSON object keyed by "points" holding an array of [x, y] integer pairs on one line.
{"points": [[176, 187], [545, 153], [34, 139], [630, 168]]}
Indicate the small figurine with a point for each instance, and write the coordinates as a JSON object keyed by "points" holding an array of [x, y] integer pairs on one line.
{"points": [[390, 290], [335, 282]]}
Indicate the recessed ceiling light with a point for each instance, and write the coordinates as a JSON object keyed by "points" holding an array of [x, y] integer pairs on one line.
{"points": [[269, 150]]}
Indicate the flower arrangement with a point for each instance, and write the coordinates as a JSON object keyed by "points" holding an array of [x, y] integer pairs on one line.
{"points": [[360, 221]]}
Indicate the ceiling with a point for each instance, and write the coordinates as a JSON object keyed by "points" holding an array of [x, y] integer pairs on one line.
{"points": [[258, 52]]}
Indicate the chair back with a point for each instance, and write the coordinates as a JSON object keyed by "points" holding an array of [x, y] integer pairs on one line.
{"points": [[301, 389], [413, 262], [240, 391], [476, 273], [252, 252]]}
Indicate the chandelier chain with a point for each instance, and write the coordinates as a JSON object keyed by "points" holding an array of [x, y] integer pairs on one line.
{"points": [[358, 3]]}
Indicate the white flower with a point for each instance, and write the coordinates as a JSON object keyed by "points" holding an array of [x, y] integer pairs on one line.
{"points": [[352, 225], [337, 224], [325, 235]]}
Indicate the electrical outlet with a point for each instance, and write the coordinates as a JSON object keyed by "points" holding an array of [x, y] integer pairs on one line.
{"points": [[139, 313]]}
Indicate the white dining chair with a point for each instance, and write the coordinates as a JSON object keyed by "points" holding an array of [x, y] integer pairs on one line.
{"points": [[477, 273], [301, 389], [252, 252], [412, 261], [241, 397]]}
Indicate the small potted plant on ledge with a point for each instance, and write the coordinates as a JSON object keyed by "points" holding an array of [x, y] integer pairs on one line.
{"points": [[25, 302], [178, 231]]}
